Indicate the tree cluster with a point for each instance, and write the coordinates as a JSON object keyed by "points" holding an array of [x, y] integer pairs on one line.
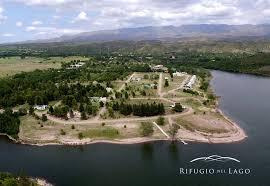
{"points": [[7, 179], [193, 92], [146, 129], [147, 109], [9, 122]]}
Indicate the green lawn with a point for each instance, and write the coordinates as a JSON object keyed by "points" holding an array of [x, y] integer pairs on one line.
{"points": [[105, 132]]}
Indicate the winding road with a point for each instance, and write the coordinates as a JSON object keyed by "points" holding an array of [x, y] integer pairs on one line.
{"points": [[127, 120], [97, 119]]}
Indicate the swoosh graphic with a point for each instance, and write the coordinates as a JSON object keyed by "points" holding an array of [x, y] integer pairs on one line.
{"points": [[215, 158]]}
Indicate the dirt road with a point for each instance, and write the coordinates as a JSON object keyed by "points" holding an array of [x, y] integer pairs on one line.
{"points": [[125, 120], [160, 82], [181, 86], [128, 80]]}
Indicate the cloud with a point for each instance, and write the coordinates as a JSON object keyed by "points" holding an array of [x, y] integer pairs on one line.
{"points": [[56, 17], [110, 14], [8, 35], [2, 17], [45, 2], [37, 23], [19, 24], [82, 16], [52, 31], [30, 28]]}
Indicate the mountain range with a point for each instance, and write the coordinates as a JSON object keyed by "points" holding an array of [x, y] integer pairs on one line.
{"points": [[170, 33]]}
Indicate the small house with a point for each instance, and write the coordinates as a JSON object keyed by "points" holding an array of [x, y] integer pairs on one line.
{"points": [[178, 74], [138, 79], [108, 89], [191, 82], [41, 107]]}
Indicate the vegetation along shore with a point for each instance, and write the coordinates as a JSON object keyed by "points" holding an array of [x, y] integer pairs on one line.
{"points": [[112, 99]]}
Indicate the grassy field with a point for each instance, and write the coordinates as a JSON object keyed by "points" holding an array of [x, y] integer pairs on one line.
{"points": [[173, 83], [104, 133], [13, 65], [144, 84], [208, 123]]}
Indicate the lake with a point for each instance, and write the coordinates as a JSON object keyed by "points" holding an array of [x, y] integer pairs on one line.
{"points": [[244, 98]]}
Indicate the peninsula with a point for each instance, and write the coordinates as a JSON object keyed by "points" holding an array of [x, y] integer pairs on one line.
{"points": [[113, 99]]}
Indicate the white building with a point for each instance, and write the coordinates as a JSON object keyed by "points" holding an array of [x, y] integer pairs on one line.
{"points": [[98, 99], [178, 74], [158, 67], [41, 107], [108, 89], [103, 99], [136, 79], [76, 65], [172, 57], [191, 82]]}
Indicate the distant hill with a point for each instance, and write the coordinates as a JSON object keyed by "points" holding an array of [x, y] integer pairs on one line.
{"points": [[249, 39], [170, 33]]}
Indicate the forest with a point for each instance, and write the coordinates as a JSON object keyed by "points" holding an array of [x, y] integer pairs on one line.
{"points": [[237, 63], [239, 57], [73, 87], [7, 179], [9, 123], [40, 87], [147, 109]]}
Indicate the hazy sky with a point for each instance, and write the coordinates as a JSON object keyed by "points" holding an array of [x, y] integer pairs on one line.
{"points": [[33, 19]]}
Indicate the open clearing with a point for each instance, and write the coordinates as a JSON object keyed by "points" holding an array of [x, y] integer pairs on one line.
{"points": [[12, 65]]}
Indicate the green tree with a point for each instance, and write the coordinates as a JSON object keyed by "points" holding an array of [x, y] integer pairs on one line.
{"points": [[133, 94], [80, 135], [126, 95], [173, 130], [111, 112], [146, 76], [178, 107], [31, 110], [71, 113], [143, 93], [146, 129], [161, 120], [166, 83], [83, 116], [101, 104], [22, 111], [81, 108], [51, 110], [89, 109], [44, 117], [62, 132]]}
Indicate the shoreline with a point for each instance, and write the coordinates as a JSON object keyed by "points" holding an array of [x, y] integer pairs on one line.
{"points": [[41, 182], [238, 136]]}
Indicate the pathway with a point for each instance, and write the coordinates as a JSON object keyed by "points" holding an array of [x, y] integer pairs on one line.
{"points": [[181, 86], [160, 84], [128, 80], [121, 120], [161, 130]]}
